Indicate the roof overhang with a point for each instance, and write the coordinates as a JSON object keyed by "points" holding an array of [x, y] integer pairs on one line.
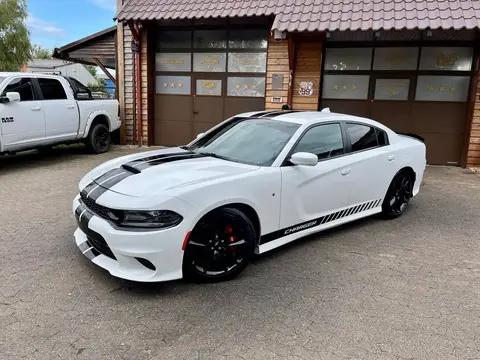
{"points": [[90, 50], [317, 15]]}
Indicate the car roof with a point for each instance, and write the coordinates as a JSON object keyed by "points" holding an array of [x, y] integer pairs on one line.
{"points": [[308, 118], [28, 74]]}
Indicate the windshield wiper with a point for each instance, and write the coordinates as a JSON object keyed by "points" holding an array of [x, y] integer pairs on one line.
{"points": [[214, 155], [184, 147]]}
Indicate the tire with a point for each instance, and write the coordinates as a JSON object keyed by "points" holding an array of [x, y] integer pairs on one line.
{"points": [[220, 246], [99, 139], [398, 195]]}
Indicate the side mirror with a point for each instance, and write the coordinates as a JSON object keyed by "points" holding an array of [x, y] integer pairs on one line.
{"points": [[200, 135], [10, 97], [304, 158]]}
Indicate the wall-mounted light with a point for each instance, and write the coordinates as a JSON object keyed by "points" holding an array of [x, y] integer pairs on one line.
{"points": [[377, 34], [429, 32]]}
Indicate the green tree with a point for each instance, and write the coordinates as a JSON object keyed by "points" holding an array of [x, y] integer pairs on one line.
{"points": [[91, 69], [39, 52], [14, 37]]}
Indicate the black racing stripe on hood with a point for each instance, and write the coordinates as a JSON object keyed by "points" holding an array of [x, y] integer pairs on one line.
{"points": [[134, 163], [164, 160], [109, 183]]}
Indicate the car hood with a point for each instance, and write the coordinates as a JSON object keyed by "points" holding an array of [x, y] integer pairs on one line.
{"points": [[162, 172]]}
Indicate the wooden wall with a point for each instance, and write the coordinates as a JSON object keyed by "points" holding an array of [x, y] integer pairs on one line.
{"points": [[145, 83], [473, 154], [277, 63], [308, 67]]}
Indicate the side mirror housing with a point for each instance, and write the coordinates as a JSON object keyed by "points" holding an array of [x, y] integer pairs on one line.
{"points": [[304, 158], [10, 97]]}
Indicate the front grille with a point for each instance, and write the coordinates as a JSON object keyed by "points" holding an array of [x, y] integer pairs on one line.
{"points": [[99, 210], [99, 244]]}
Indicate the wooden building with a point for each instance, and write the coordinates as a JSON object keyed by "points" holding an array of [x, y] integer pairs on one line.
{"points": [[183, 66]]}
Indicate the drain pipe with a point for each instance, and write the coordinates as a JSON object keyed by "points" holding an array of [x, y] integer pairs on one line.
{"points": [[137, 74]]}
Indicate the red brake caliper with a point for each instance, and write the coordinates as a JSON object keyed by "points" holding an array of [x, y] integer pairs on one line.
{"points": [[231, 238]]}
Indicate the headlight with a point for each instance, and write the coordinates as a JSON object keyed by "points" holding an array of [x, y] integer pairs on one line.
{"points": [[150, 219]]}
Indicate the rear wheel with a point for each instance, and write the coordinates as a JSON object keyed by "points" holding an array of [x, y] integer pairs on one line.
{"points": [[398, 195], [99, 139], [220, 247]]}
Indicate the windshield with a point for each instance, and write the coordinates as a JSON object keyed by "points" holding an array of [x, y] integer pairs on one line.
{"points": [[252, 141]]}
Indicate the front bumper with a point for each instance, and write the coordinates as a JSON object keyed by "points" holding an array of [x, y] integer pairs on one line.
{"points": [[118, 251]]}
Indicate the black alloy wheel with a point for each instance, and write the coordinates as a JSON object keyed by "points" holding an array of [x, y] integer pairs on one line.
{"points": [[99, 139], [398, 195], [220, 247]]}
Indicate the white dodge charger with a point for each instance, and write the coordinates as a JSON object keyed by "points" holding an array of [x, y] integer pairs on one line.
{"points": [[252, 183]]}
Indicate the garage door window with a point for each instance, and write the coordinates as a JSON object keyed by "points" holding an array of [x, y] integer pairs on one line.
{"points": [[442, 88]]}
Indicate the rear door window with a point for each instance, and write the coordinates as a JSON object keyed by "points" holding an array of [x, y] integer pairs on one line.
{"points": [[52, 89], [362, 137]]}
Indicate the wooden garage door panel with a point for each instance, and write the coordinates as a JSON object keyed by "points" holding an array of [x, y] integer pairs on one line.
{"points": [[173, 108], [236, 105], [349, 107], [438, 118], [443, 149], [173, 133], [393, 114], [208, 109]]}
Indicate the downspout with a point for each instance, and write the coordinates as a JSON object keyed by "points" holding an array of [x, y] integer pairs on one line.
{"points": [[136, 45]]}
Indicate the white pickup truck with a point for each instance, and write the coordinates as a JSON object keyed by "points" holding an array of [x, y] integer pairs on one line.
{"points": [[40, 111]]}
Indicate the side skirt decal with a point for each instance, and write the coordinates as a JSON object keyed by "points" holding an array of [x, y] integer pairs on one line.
{"points": [[318, 221]]}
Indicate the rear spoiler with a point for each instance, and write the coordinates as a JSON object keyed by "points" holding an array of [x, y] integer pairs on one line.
{"points": [[418, 137]]}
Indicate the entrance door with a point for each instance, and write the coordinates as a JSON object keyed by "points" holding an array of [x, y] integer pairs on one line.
{"points": [[390, 102], [208, 102]]}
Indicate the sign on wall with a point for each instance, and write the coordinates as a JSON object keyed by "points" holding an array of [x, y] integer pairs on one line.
{"points": [[277, 81], [306, 88]]}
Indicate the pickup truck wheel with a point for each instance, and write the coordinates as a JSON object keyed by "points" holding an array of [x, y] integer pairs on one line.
{"points": [[99, 139]]}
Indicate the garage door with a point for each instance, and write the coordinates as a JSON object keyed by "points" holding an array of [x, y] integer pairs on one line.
{"points": [[203, 77], [423, 90]]}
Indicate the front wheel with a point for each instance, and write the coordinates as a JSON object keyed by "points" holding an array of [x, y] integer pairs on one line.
{"points": [[99, 139], [398, 195], [220, 247]]}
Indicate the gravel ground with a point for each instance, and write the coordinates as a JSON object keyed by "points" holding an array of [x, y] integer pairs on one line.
{"points": [[402, 289]]}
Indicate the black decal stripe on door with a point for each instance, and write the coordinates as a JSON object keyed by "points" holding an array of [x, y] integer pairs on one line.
{"points": [[319, 221]]}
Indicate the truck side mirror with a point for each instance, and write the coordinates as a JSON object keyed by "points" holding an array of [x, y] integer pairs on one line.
{"points": [[10, 97]]}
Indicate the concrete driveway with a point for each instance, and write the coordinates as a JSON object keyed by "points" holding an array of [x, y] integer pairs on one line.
{"points": [[403, 289]]}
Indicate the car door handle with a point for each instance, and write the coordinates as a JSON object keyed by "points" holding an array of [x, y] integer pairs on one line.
{"points": [[70, 107], [391, 158], [36, 108], [346, 171]]}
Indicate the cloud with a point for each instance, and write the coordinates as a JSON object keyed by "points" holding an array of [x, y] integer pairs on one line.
{"points": [[42, 27], [106, 4]]}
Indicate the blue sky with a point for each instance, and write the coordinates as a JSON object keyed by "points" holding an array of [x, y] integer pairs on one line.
{"points": [[54, 23]]}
